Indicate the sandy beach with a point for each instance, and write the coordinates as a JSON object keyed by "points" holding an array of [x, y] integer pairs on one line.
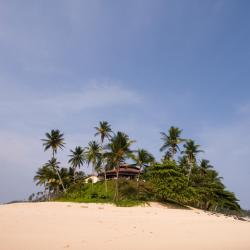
{"points": [[54, 225]]}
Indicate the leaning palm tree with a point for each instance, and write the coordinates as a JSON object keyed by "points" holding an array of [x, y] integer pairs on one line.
{"points": [[46, 176], [54, 164], [93, 153], [118, 149], [54, 140], [104, 130], [190, 151], [171, 141], [77, 159]]}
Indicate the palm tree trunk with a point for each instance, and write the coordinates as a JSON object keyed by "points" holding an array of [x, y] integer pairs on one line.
{"points": [[189, 174], [60, 179], [117, 184], [64, 190], [74, 175], [105, 181], [138, 182], [191, 167]]}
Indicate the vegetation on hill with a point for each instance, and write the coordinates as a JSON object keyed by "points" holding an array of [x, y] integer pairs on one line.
{"points": [[179, 177]]}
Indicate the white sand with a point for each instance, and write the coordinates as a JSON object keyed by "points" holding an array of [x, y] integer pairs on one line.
{"points": [[53, 225]]}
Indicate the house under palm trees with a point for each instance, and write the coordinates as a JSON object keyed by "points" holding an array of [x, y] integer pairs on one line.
{"points": [[128, 171]]}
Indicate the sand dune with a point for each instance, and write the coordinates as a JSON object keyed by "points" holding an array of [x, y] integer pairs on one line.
{"points": [[54, 225]]}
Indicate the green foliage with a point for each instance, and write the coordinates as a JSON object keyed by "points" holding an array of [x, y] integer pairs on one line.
{"points": [[54, 140], [77, 157], [171, 142], [118, 149], [185, 182], [104, 130], [168, 181], [93, 153], [204, 189], [86, 192]]}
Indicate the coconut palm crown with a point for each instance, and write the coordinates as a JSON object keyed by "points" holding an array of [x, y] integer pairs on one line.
{"points": [[142, 158], [191, 150], [93, 153], [171, 141], [77, 159], [54, 140], [119, 148], [104, 130], [54, 164]]}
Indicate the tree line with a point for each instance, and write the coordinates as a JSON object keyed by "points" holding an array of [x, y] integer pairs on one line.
{"points": [[179, 176]]}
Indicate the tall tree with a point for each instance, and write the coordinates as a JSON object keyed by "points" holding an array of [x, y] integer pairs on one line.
{"points": [[54, 164], [54, 140], [77, 159], [183, 164], [104, 130], [191, 150], [118, 150], [93, 154], [47, 177], [171, 141]]}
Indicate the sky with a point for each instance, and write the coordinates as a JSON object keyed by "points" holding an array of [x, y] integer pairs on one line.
{"points": [[142, 65]]}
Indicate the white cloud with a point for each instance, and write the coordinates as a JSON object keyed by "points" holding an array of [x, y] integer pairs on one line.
{"points": [[93, 95]]}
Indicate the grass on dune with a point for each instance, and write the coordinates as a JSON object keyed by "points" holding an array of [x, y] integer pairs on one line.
{"points": [[96, 193]]}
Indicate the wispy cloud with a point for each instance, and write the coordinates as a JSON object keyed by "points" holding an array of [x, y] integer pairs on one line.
{"points": [[96, 94]]}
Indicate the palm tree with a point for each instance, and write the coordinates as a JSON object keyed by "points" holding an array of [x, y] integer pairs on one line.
{"points": [[54, 164], [204, 166], [191, 150], [54, 140], [171, 141], [46, 176], [93, 154], [118, 151], [77, 159], [104, 130], [183, 164], [142, 158]]}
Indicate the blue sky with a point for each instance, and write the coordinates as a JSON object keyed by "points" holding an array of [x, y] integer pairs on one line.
{"points": [[142, 65]]}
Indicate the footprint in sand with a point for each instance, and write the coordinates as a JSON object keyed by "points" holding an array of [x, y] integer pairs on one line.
{"points": [[84, 206], [67, 246]]}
